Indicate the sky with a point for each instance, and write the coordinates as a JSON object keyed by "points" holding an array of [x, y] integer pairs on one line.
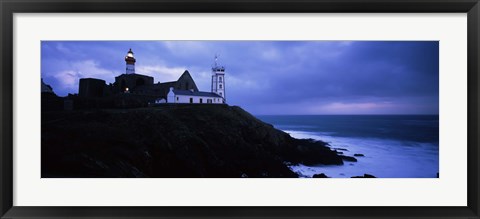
{"points": [[269, 77]]}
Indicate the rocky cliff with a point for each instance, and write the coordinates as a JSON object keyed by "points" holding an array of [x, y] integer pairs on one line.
{"points": [[172, 141]]}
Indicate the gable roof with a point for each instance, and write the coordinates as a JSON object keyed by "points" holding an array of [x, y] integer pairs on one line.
{"points": [[186, 76]]}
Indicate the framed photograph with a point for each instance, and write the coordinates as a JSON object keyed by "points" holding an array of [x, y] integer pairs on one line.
{"points": [[199, 109]]}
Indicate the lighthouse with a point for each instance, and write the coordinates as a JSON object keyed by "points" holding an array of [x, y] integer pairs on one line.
{"points": [[130, 60], [218, 79]]}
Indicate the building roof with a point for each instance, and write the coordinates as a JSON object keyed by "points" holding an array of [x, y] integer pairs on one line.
{"points": [[186, 76], [164, 88], [195, 93], [133, 74], [92, 79]]}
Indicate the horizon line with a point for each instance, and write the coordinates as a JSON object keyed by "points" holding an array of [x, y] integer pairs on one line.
{"points": [[420, 114]]}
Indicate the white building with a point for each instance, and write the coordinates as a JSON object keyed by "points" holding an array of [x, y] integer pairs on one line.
{"points": [[218, 79], [190, 96]]}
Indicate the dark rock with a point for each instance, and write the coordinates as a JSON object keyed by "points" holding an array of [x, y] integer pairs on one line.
{"points": [[181, 140], [348, 158], [338, 152], [340, 149], [310, 152], [51, 102], [359, 155], [321, 175], [364, 176]]}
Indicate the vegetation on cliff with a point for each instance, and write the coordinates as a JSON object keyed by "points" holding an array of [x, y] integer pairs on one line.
{"points": [[172, 141]]}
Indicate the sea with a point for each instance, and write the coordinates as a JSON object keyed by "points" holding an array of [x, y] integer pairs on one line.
{"points": [[394, 146]]}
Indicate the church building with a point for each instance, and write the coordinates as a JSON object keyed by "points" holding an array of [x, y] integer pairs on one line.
{"points": [[216, 96], [142, 87]]}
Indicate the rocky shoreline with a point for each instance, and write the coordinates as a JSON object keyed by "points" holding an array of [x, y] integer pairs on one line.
{"points": [[174, 141]]}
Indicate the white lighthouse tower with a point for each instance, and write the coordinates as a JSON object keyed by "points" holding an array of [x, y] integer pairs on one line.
{"points": [[130, 60], [218, 79]]}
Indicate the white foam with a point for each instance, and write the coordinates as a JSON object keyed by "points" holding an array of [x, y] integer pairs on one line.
{"points": [[382, 158]]}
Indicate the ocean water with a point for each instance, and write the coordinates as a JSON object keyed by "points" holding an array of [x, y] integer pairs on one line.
{"points": [[394, 146]]}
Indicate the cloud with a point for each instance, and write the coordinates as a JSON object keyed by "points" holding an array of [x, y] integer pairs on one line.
{"points": [[319, 107], [343, 107], [185, 48], [245, 83], [345, 43], [160, 72], [90, 69], [317, 50], [270, 54], [63, 49], [68, 78]]}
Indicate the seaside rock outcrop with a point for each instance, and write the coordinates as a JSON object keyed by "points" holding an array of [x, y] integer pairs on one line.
{"points": [[172, 141], [321, 175], [348, 158], [364, 176]]}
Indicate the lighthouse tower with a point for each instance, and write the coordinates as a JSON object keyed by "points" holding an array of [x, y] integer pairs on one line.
{"points": [[218, 79], [130, 60]]}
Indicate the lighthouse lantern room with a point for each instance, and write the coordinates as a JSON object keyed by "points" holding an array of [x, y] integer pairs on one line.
{"points": [[130, 60]]}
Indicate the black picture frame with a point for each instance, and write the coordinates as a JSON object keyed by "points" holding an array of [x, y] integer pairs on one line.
{"points": [[9, 7]]}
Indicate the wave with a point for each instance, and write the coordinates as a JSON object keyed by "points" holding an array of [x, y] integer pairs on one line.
{"points": [[382, 157]]}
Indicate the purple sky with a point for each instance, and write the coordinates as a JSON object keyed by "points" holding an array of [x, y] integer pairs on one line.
{"points": [[269, 77]]}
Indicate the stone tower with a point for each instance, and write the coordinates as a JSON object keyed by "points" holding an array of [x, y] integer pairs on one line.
{"points": [[130, 60], [218, 79]]}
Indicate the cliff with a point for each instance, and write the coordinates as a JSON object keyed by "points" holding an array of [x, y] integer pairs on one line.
{"points": [[172, 141]]}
